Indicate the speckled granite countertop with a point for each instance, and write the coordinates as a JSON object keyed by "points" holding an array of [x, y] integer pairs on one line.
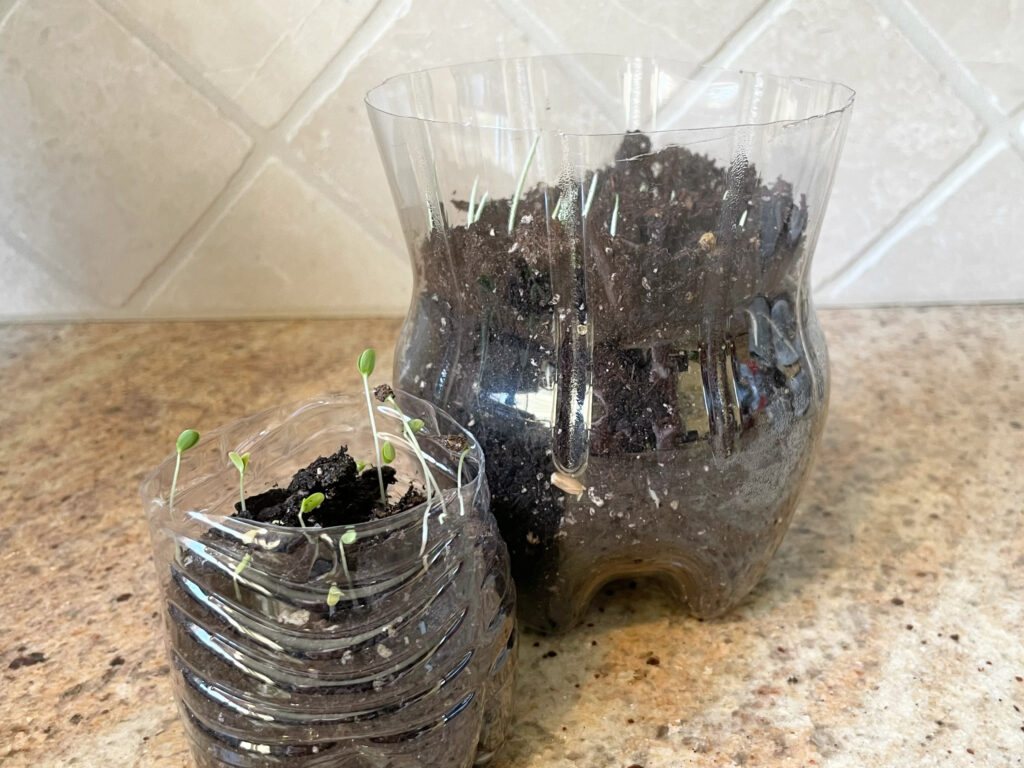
{"points": [[888, 631]]}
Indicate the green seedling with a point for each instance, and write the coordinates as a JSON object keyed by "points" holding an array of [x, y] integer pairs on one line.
{"points": [[472, 201], [347, 538], [480, 207], [308, 504], [387, 452], [386, 394], [590, 194], [242, 565], [366, 363], [615, 217], [186, 440], [522, 181], [554, 211], [360, 466], [240, 462], [334, 595]]}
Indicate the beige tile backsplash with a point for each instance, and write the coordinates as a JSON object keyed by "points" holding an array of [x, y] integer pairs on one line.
{"points": [[182, 158]]}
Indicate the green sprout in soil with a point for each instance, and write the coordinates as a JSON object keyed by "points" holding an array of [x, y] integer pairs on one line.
{"points": [[186, 440], [242, 565], [522, 181], [309, 503], [360, 466], [615, 217], [347, 538], [480, 207], [387, 452], [554, 211], [333, 597], [462, 460], [240, 462], [472, 201], [386, 394], [590, 194], [366, 363]]}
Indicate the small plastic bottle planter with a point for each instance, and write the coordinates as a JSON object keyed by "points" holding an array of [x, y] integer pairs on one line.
{"points": [[354, 646], [612, 261]]}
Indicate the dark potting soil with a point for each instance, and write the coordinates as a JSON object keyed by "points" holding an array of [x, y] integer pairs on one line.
{"points": [[680, 287], [350, 497]]}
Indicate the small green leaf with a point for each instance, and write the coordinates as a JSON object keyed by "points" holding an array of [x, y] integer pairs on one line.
{"points": [[366, 362], [310, 503], [243, 563], [415, 425], [387, 452], [187, 439], [240, 462], [348, 537], [333, 595], [360, 466]]}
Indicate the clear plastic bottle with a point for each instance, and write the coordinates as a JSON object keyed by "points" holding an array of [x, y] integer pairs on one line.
{"points": [[611, 260], [410, 666]]}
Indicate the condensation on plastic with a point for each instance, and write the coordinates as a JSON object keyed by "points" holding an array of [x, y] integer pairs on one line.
{"points": [[413, 666], [683, 393]]}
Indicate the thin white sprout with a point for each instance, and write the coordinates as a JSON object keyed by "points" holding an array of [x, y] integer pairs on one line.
{"points": [[376, 440], [615, 216], [472, 201], [590, 193], [242, 565], [480, 207], [522, 181], [554, 211], [462, 504], [344, 561], [174, 483], [743, 218], [428, 476]]}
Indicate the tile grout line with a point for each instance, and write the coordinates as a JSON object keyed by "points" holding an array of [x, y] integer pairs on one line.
{"points": [[376, 24], [725, 55], [6, 13], [747, 32], [977, 98], [933, 49], [24, 249], [178, 255], [913, 216], [264, 143], [182, 69]]}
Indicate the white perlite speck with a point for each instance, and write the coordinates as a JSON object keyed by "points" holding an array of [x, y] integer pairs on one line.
{"points": [[383, 651], [296, 618]]}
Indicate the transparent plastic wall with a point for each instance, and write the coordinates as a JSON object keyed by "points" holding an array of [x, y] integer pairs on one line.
{"points": [[611, 259]]}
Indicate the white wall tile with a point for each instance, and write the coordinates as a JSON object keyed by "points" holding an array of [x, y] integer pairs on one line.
{"points": [[907, 127], [283, 249], [260, 54], [106, 156], [27, 291], [987, 36], [970, 249], [337, 141], [689, 31], [109, 157]]}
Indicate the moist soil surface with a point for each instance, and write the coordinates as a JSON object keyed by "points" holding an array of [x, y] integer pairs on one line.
{"points": [[350, 496]]}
